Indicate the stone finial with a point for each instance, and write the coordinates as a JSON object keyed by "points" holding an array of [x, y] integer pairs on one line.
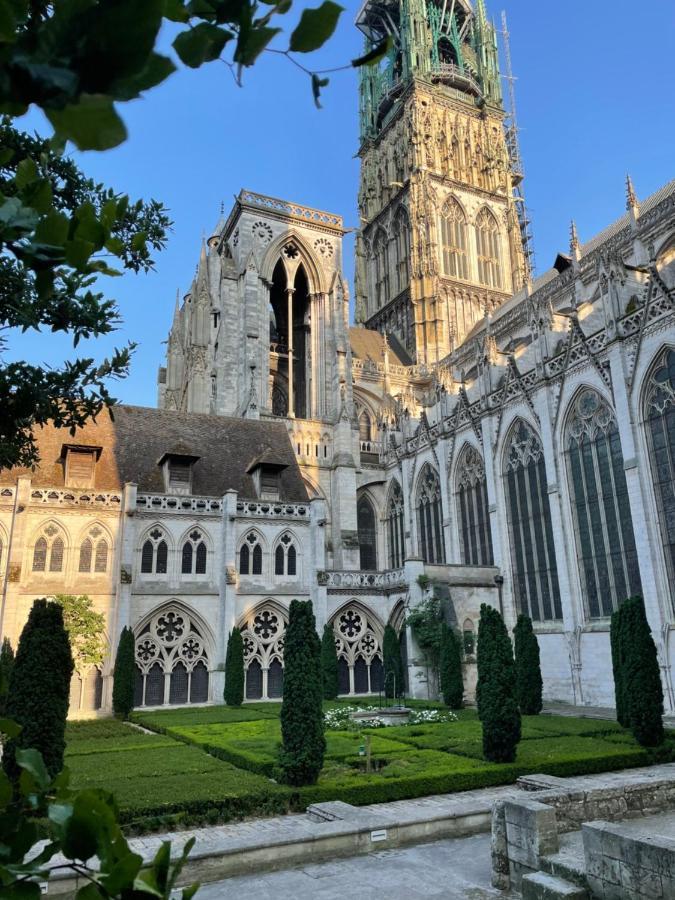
{"points": [[222, 207], [575, 246], [632, 202]]}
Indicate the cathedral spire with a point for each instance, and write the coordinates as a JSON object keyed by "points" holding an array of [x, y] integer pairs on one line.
{"points": [[575, 246], [632, 202]]}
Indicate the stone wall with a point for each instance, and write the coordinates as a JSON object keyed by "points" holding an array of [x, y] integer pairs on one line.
{"points": [[622, 864]]}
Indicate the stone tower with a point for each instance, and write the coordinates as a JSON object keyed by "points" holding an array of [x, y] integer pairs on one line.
{"points": [[440, 242]]}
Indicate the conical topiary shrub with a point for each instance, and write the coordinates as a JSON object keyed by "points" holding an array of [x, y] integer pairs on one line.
{"points": [[394, 685], [616, 644], [452, 683], [234, 669], [496, 689], [6, 666], [643, 695], [529, 684], [39, 688], [302, 724], [329, 664], [124, 675]]}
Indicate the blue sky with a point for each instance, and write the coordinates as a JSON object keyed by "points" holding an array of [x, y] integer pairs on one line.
{"points": [[595, 100]]}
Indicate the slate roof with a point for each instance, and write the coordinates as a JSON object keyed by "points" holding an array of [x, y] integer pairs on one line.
{"points": [[137, 438]]}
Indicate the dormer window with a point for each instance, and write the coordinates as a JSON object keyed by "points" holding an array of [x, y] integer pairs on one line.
{"points": [[266, 474], [80, 465], [178, 470]]}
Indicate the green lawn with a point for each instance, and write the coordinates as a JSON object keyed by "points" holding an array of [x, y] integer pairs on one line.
{"points": [[216, 763]]}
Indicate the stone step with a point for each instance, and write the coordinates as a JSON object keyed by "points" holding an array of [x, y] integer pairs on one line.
{"points": [[569, 862], [542, 886]]}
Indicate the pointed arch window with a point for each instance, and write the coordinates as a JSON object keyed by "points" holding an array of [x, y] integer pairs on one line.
{"points": [[533, 560], [171, 660], [285, 556], [474, 517], [603, 524], [94, 552], [395, 529], [358, 642], [381, 262], [487, 246], [660, 419], [365, 428], [367, 532], [155, 553], [193, 554], [49, 551], [250, 555], [402, 245], [263, 634], [454, 240], [430, 517]]}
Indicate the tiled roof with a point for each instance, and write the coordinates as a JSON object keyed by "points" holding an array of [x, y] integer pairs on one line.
{"points": [[368, 344], [138, 437]]}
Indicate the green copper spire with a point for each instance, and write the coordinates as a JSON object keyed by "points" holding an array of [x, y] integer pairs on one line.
{"points": [[441, 41]]}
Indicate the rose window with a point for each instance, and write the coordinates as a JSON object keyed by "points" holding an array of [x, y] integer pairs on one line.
{"points": [[266, 625], [170, 627], [249, 646], [350, 623]]}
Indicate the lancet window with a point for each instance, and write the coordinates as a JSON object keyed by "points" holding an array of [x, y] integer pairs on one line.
{"points": [[603, 524], [454, 240], [402, 244], [473, 513], [286, 556], [430, 517], [49, 550], [155, 553], [533, 560], [193, 554], [487, 246], [381, 262], [94, 552], [251, 555], [395, 528], [367, 532]]}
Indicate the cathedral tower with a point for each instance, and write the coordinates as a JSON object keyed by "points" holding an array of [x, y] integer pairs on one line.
{"points": [[440, 242]]}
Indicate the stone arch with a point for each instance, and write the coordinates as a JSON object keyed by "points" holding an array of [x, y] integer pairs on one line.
{"points": [[174, 648], [358, 641], [89, 550], [50, 546], [469, 488], [263, 629], [287, 550], [568, 411], [518, 419], [192, 537], [153, 560], [306, 254], [428, 506], [367, 518], [252, 552]]}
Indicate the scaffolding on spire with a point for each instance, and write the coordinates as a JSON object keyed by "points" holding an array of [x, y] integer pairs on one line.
{"points": [[513, 148]]}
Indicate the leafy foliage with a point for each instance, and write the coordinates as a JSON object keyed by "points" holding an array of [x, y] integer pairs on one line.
{"points": [[394, 681], [496, 690], [58, 231], [39, 689], [329, 664], [234, 669], [302, 725], [77, 59], [643, 692], [78, 824], [6, 666], [86, 630], [529, 683], [426, 621], [124, 675], [451, 681]]}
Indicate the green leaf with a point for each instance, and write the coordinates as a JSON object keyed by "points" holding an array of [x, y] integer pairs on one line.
{"points": [[38, 195], [31, 761], [375, 55], [92, 124], [26, 173], [315, 27], [201, 44], [52, 230], [122, 875], [10, 15], [175, 11], [156, 70], [317, 84], [10, 728], [252, 42], [87, 832], [78, 253]]}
